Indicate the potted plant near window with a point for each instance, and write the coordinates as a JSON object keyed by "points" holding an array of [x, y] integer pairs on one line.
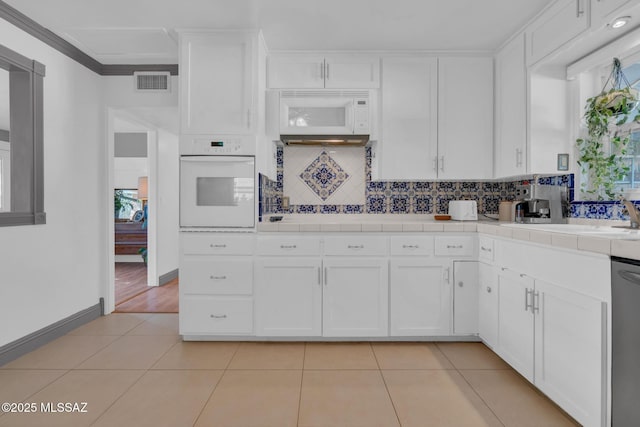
{"points": [[601, 151]]}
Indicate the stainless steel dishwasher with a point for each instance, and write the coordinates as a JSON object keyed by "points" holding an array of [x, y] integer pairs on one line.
{"points": [[625, 336]]}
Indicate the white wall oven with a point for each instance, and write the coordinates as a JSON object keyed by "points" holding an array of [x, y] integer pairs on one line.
{"points": [[217, 182]]}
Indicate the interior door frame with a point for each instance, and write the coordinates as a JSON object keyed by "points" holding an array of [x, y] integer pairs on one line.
{"points": [[113, 115]]}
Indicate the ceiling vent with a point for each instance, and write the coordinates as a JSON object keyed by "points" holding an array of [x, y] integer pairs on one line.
{"points": [[152, 81]]}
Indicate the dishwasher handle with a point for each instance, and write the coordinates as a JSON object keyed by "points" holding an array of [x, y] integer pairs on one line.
{"points": [[630, 276]]}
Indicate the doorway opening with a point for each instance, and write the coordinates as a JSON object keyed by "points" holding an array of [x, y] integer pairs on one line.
{"points": [[136, 151]]}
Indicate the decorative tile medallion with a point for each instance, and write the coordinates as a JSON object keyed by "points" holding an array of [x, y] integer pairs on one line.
{"points": [[324, 176]]}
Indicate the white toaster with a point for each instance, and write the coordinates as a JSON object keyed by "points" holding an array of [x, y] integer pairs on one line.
{"points": [[463, 210]]}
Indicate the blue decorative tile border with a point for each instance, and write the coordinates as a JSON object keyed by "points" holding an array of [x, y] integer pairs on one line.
{"points": [[613, 210], [420, 197]]}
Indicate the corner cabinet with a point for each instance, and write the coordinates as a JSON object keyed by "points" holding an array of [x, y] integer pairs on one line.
{"points": [[218, 82], [317, 71], [559, 24], [511, 110]]}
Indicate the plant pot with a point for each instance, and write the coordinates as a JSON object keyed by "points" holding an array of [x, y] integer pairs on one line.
{"points": [[619, 101]]}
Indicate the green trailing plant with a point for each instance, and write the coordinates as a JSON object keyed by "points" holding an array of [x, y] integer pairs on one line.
{"points": [[601, 151]]}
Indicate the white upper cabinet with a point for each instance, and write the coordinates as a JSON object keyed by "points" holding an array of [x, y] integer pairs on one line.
{"points": [[339, 71], [409, 110], [437, 118], [465, 118], [218, 77], [562, 22], [511, 110], [603, 11]]}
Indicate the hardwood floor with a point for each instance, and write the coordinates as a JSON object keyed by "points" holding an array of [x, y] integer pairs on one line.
{"points": [[131, 280], [134, 296]]}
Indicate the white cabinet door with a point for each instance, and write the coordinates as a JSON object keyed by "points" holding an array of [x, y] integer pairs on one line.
{"points": [[408, 146], [465, 118], [488, 304], [465, 298], [420, 297], [352, 72], [570, 351], [339, 71], [515, 321], [295, 72], [217, 82], [603, 11], [355, 297], [288, 297], [563, 21], [511, 110]]}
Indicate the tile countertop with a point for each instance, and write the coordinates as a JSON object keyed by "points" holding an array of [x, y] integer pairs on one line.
{"points": [[591, 236]]}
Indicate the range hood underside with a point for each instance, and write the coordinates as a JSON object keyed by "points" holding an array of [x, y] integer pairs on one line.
{"points": [[326, 140]]}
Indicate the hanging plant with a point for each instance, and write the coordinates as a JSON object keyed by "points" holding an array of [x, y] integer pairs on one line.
{"points": [[601, 151]]}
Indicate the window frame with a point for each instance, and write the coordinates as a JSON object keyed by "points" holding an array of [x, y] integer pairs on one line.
{"points": [[31, 128]]}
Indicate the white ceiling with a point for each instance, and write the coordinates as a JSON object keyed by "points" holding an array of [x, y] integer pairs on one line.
{"points": [[142, 31]]}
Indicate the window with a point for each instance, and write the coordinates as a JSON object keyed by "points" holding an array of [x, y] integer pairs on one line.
{"points": [[126, 204], [21, 140], [632, 158]]}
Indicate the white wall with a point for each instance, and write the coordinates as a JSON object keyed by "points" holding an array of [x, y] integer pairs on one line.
{"points": [[167, 206], [48, 272], [127, 170]]}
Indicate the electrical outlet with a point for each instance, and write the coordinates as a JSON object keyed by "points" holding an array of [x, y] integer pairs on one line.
{"points": [[285, 202]]}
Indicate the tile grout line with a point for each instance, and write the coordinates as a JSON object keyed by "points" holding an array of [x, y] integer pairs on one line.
{"points": [[304, 356], [470, 386], [384, 381]]}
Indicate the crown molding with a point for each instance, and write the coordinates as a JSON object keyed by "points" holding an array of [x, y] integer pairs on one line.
{"points": [[28, 25]]}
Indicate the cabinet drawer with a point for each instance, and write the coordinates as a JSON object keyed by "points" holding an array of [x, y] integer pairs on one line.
{"points": [[454, 246], [205, 315], [291, 246], [217, 244], [356, 245], [418, 245], [486, 249], [204, 275]]}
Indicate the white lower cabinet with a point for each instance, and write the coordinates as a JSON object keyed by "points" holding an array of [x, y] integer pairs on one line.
{"points": [[355, 297], [554, 337], [515, 322], [216, 315], [288, 295], [570, 350], [420, 297], [465, 297], [488, 304]]}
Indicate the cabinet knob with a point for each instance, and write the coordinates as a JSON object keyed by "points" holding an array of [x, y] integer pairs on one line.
{"points": [[489, 289], [460, 284]]}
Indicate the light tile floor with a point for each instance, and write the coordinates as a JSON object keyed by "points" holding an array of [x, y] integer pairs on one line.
{"points": [[133, 370]]}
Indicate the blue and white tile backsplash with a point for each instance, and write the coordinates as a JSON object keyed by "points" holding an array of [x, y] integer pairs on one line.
{"points": [[338, 181]]}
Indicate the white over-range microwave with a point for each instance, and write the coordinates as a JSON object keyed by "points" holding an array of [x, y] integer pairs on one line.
{"points": [[321, 112]]}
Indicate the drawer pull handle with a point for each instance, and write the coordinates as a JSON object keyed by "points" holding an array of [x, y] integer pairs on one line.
{"points": [[410, 247], [355, 246], [485, 249], [216, 316], [217, 246], [454, 246], [218, 277], [288, 246]]}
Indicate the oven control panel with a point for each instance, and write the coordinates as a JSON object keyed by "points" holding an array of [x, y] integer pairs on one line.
{"points": [[221, 146]]}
